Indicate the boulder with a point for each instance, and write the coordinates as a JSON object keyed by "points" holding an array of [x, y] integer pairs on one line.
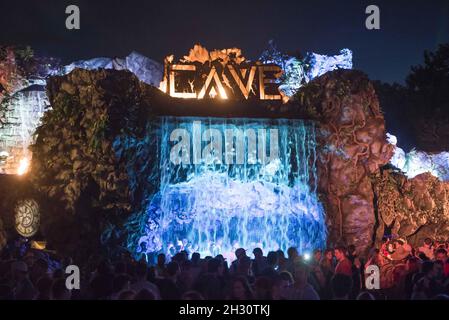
{"points": [[82, 155], [352, 146], [146, 69]]}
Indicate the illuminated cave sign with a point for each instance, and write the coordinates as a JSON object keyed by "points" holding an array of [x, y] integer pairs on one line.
{"points": [[216, 206], [27, 217], [218, 81], [223, 74]]}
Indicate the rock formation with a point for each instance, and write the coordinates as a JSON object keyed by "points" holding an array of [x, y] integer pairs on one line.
{"points": [[146, 69], [413, 208], [23, 99], [364, 197], [84, 149], [353, 146]]}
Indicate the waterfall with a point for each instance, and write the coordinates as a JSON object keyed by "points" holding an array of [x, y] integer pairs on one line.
{"points": [[24, 112], [229, 183]]}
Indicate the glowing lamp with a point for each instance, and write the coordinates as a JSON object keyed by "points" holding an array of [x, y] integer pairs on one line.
{"points": [[23, 166]]}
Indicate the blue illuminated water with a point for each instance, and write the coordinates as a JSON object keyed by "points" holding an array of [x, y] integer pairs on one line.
{"points": [[215, 204]]}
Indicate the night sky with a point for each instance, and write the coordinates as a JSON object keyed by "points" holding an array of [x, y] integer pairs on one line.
{"points": [[114, 28]]}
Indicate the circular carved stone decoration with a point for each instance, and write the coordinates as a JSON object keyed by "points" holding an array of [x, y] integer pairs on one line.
{"points": [[27, 217]]}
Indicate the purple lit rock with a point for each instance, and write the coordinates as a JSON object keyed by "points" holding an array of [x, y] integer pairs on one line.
{"points": [[146, 69]]}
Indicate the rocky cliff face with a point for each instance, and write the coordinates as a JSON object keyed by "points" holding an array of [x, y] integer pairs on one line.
{"points": [[23, 99], [413, 208], [353, 146], [74, 144], [363, 197], [12, 77], [84, 149]]}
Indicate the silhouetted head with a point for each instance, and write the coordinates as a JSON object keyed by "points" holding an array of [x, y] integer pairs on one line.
{"points": [[292, 253], [258, 252], [161, 259], [272, 258], [240, 252], [196, 257]]}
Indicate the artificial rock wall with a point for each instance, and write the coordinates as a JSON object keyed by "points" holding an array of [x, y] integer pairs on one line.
{"points": [[23, 99], [84, 151], [77, 148], [414, 208], [353, 146], [365, 196], [90, 144]]}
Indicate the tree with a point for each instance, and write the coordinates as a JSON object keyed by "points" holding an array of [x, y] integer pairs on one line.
{"points": [[429, 83], [418, 113]]}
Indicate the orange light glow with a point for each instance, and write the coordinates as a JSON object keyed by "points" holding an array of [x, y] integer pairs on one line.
{"points": [[23, 166]]}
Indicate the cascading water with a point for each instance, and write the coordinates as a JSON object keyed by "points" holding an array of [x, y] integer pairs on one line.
{"points": [[229, 183], [24, 112]]}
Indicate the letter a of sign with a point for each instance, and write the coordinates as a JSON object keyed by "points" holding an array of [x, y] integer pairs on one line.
{"points": [[212, 75], [244, 89]]}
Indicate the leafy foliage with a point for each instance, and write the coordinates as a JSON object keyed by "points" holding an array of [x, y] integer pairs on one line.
{"points": [[428, 83], [418, 113]]}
